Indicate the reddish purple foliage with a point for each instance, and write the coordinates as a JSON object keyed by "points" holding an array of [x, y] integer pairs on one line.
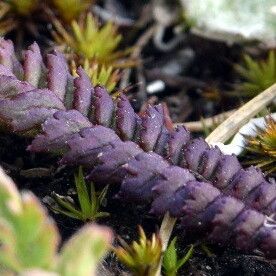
{"points": [[160, 164]]}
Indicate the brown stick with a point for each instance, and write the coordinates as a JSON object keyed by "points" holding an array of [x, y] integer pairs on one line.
{"points": [[197, 126], [231, 125], [166, 229]]}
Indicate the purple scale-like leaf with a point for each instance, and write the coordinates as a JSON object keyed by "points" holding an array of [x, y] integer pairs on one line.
{"points": [[83, 93], [260, 197], [244, 182], [126, 119], [151, 127], [57, 130], [11, 86], [165, 188], [179, 138], [138, 186], [193, 197], [88, 145], [270, 209], [6, 53], [103, 107], [266, 239], [245, 226], [29, 109], [227, 167], [164, 136], [59, 79], [8, 58], [110, 165], [227, 210], [193, 153], [6, 71], [209, 161], [34, 68]]}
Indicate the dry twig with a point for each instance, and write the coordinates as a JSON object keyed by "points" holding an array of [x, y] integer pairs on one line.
{"points": [[197, 126]]}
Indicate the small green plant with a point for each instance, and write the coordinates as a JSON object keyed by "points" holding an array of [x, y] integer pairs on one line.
{"points": [[12, 11], [23, 7], [86, 39], [171, 262], [99, 74], [29, 239], [141, 257], [90, 41], [257, 75], [69, 10], [88, 205], [94, 47], [262, 146]]}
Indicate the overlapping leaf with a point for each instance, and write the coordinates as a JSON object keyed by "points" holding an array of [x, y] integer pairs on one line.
{"points": [[151, 160]]}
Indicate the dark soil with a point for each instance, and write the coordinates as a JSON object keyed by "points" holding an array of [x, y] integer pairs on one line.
{"points": [[197, 89], [41, 175]]}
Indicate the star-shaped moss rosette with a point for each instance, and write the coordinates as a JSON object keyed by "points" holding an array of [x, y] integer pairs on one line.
{"points": [[89, 201], [256, 75], [143, 155], [262, 146], [86, 39], [95, 48], [99, 74], [12, 12], [141, 257], [69, 10]]}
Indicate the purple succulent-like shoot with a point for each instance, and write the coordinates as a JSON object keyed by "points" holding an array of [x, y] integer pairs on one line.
{"points": [[193, 153], [127, 119], [83, 93], [8, 58], [138, 186], [103, 107], [24, 111], [59, 79], [11, 86], [227, 167], [218, 208], [34, 68], [57, 130]]}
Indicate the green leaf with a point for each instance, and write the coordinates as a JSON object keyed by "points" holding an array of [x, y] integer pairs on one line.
{"points": [[171, 264], [36, 235], [89, 201], [28, 237], [83, 194], [188, 255], [170, 257], [81, 254], [65, 206]]}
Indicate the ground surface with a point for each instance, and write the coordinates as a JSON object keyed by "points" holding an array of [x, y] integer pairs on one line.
{"points": [[40, 174], [198, 78]]}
